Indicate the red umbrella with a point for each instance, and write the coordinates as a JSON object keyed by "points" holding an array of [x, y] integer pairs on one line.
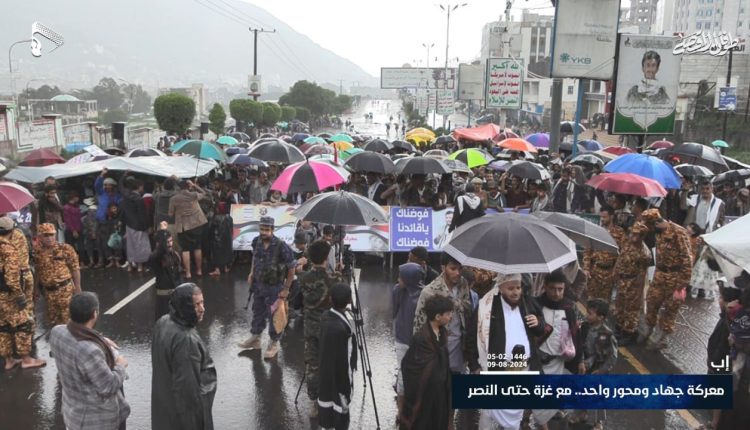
{"points": [[41, 157], [627, 183], [13, 197], [661, 144], [517, 144], [618, 150]]}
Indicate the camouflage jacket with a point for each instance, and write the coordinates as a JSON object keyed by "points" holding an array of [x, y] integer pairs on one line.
{"points": [[634, 259], [55, 264], [673, 250], [602, 259], [10, 283], [315, 286]]}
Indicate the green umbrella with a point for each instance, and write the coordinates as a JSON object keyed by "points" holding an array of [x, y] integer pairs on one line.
{"points": [[719, 144], [472, 157], [200, 149], [313, 140], [349, 152], [341, 137], [227, 140]]}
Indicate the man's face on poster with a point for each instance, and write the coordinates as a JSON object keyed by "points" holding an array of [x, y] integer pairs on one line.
{"points": [[650, 68]]}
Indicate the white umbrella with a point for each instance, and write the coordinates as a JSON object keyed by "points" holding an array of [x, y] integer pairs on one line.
{"points": [[731, 247]]}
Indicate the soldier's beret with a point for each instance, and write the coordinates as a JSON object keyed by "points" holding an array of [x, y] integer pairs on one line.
{"points": [[639, 228], [6, 224], [651, 215], [46, 228]]}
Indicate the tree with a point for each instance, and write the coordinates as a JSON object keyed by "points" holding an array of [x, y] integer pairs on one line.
{"points": [[217, 118], [271, 114], [311, 96], [113, 115], [174, 112], [288, 113], [138, 99], [107, 94], [341, 104], [246, 111], [302, 114]]}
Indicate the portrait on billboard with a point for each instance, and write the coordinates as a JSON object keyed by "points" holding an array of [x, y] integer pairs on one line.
{"points": [[648, 75]]}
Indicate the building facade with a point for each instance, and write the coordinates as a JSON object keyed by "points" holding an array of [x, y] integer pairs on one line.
{"points": [[197, 92], [643, 14]]}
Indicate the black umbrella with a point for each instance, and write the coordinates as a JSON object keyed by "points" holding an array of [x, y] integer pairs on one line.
{"points": [[378, 145], [278, 152], [739, 176], [456, 165], [233, 150], [267, 140], [529, 170], [567, 127], [584, 233], [325, 135], [370, 162], [240, 136], [693, 171], [406, 146], [511, 243], [588, 159], [567, 145], [341, 208], [444, 140], [695, 153], [420, 166]]}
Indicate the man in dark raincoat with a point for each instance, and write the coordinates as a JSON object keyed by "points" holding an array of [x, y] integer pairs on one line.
{"points": [[183, 384]]}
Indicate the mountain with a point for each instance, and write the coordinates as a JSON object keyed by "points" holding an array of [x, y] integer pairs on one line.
{"points": [[165, 43]]}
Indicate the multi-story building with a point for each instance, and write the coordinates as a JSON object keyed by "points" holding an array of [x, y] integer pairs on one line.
{"points": [[643, 14], [197, 92]]}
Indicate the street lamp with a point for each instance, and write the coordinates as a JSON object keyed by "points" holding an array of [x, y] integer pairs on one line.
{"points": [[10, 66], [448, 9], [132, 94], [428, 51]]}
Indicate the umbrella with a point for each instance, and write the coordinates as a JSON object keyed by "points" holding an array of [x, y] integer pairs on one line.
{"points": [[529, 170], [299, 137], [341, 208], [227, 140], [511, 243], [733, 176], [661, 144], [309, 176], [472, 157], [581, 231], [567, 146], [341, 145], [567, 127], [695, 153], [618, 150], [13, 197], [627, 183], [148, 152], [444, 140], [234, 151], [341, 137], [503, 165], [269, 140], [266, 136], [76, 146], [277, 152], [539, 140], [315, 140], [591, 145], [421, 166], [319, 149], [240, 136], [349, 152], [328, 158], [41, 157], [421, 131], [3, 168], [647, 166], [325, 135], [719, 144], [201, 149], [406, 146], [245, 160], [730, 243], [378, 145], [508, 153], [437, 154], [606, 155], [588, 159], [517, 144], [693, 171], [370, 162], [456, 165], [505, 134]]}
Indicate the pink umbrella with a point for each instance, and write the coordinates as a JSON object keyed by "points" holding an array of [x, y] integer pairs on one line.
{"points": [[13, 197], [661, 144], [309, 176], [627, 183], [618, 150]]}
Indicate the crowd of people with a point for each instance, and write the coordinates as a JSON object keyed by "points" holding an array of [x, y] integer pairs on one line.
{"points": [[445, 322]]}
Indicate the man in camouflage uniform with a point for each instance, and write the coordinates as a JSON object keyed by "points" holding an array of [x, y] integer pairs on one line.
{"points": [[598, 265], [57, 273], [630, 275], [673, 269], [315, 286], [16, 322]]}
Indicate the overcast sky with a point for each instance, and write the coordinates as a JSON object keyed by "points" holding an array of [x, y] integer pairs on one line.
{"points": [[389, 33]]}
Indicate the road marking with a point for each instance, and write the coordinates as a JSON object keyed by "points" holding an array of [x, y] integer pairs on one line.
{"points": [[685, 414], [130, 297]]}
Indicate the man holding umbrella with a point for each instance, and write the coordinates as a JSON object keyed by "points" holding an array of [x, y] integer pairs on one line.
{"points": [[270, 278]]}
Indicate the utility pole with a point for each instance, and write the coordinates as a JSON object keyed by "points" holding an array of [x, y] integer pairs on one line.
{"points": [[341, 86], [555, 115], [428, 46], [729, 83], [448, 8], [255, 50]]}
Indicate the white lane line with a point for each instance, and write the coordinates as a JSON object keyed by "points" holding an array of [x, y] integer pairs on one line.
{"points": [[130, 297]]}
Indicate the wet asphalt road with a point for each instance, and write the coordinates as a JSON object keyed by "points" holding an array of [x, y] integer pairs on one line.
{"points": [[258, 394]]}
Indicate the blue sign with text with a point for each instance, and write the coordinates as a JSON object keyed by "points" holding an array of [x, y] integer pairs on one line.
{"points": [[728, 98]]}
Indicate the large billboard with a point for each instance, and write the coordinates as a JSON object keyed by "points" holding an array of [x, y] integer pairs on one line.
{"points": [[471, 81], [504, 83], [648, 76], [417, 77], [585, 36]]}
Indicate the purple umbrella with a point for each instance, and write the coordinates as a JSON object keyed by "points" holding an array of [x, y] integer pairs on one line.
{"points": [[540, 140], [591, 145]]}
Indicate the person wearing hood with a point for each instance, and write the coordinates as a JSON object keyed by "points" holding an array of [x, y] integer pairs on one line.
{"points": [[183, 385], [404, 297], [468, 207], [166, 263]]}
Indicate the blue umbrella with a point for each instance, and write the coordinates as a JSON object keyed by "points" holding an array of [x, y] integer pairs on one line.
{"points": [[591, 145], [646, 166], [76, 146], [298, 137], [235, 150], [246, 160], [200, 149]]}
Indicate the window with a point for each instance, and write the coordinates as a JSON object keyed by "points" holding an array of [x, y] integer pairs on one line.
{"points": [[698, 25], [700, 12], [708, 26], [570, 89], [709, 12], [739, 24]]}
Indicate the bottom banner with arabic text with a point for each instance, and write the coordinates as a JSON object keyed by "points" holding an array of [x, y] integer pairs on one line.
{"points": [[514, 391]]}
